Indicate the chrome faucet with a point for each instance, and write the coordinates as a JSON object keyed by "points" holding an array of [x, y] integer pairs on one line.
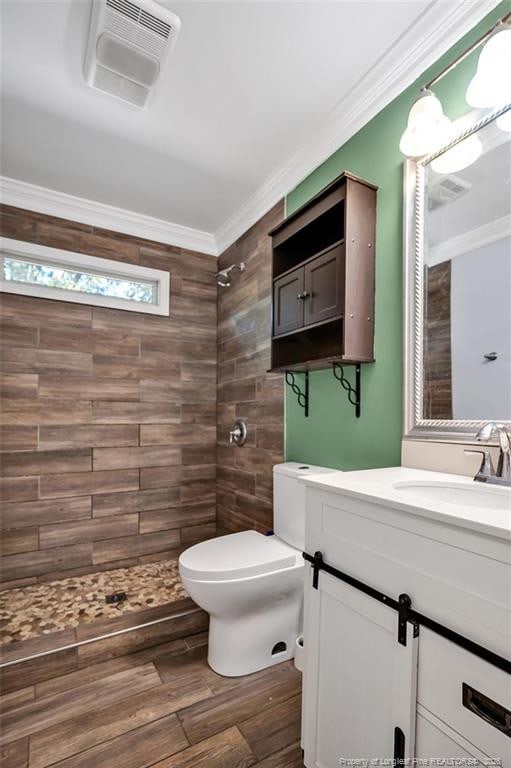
{"points": [[486, 472]]}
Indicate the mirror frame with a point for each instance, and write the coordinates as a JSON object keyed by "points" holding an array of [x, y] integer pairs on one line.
{"points": [[415, 426]]}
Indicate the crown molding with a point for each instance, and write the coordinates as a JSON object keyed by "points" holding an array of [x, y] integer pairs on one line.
{"points": [[34, 198], [440, 27], [472, 240]]}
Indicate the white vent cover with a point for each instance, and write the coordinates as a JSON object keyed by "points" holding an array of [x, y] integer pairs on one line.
{"points": [[445, 189], [129, 43]]}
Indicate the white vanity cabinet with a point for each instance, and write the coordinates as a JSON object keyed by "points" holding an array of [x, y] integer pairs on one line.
{"points": [[369, 696]]}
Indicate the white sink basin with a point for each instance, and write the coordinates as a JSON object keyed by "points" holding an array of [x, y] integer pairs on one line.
{"points": [[459, 494]]}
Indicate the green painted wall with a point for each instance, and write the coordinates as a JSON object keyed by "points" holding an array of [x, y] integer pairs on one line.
{"points": [[332, 436]]}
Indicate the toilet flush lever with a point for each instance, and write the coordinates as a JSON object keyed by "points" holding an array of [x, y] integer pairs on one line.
{"points": [[238, 433]]}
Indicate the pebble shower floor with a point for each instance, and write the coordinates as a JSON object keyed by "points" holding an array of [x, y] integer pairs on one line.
{"points": [[40, 609]]}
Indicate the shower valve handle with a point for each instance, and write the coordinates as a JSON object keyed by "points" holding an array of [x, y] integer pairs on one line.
{"points": [[303, 295]]}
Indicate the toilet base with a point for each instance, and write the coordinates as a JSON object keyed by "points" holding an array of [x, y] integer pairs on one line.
{"points": [[245, 645]]}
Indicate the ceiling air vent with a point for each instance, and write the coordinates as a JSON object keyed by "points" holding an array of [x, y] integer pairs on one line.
{"points": [[445, 189], [128, 46]]}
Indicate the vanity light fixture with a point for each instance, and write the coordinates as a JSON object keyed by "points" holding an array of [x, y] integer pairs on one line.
{"points": [[428, 129], [460, 156], [491, 84]]}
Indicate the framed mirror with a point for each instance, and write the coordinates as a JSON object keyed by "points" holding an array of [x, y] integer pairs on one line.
{"points": [[458, 284]]}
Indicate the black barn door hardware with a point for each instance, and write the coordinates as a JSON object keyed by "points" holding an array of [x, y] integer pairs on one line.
{"points": [[399, 747], [488, 710], [354, 395], [403, 608], [302, 397]]}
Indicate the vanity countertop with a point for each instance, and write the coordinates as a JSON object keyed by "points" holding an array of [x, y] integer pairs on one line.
{"points": [[424, 493]]}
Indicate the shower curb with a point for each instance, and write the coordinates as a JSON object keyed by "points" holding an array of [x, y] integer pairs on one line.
{"points": [[104, 636]]}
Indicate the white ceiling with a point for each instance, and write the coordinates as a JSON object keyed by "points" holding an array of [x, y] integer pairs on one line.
{"points": [[247, 85]]}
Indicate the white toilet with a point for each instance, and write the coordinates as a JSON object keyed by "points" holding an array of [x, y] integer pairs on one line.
{"points": [[252, 584]]}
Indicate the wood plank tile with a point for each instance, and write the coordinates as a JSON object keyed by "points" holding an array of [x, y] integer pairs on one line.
{"points": [[84, 483], [148, 366], [289, 757], [45, 410], [135, 501], [160, 477], [15, 385], [87, 388], [135, 413], [172, 434], [206, 718], [28, 513], [195, 533], [18, 438], [182, 515], [25, 311], [98, 342], [88, 530], [40, 714], [160, 390], [78, 734], [15, 754], [139, 748], [224, 750], [58, 236], [15, 699], [20, 360], [94, 436], [19, 488], [34, 563], [142, 639], [46, 462], [273, 728], [19, 540], [101, 670], [118, 458], [37, 670], [133, 546]]}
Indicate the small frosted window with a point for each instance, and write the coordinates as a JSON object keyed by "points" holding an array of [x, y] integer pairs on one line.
{"points": [[36, 270], [52, 276]]}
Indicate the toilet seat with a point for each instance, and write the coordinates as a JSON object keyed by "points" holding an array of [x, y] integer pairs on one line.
{"points": [[236, 556]]}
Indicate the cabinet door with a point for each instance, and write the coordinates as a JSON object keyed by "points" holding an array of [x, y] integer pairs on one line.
{"points": [[324, 286], [359, 682], [288, 302]]}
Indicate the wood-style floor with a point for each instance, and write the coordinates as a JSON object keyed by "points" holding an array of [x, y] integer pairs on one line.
{"points": [[161, 707]]}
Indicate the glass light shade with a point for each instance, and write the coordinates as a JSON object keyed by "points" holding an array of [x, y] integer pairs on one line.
{"points": [[504, 121], [458, 157], [491, 84], [428, 128]]}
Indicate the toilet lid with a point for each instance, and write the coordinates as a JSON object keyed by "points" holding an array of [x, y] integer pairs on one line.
{"points": [[236, 556]]}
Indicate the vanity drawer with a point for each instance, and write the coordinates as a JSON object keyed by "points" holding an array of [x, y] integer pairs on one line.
{"points": [[462, 690]]}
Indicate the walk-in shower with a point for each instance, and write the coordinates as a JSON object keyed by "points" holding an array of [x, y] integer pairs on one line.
{"points": [[223, 278]]}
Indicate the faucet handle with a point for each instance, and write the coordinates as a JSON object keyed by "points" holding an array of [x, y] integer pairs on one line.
{"points": [[486, 470]]}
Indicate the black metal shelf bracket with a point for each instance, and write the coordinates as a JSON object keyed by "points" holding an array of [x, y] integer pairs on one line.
{"points": [[302, 397], [354, 395]]}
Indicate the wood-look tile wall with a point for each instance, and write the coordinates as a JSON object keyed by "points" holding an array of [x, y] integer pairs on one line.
{"points": [[108, 417], [437, 344], [245, 389]]}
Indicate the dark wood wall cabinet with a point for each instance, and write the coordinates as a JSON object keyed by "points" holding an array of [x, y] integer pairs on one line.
{"points": [[323, 280]]}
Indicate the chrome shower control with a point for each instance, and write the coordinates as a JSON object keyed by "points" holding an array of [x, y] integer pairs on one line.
{"points": [[238, 433]]}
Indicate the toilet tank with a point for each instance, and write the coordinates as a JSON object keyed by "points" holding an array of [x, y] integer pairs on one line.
{"points": [[289, 500]]}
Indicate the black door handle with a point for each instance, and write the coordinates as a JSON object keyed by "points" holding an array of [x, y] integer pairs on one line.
{"points": [[488, 710]]}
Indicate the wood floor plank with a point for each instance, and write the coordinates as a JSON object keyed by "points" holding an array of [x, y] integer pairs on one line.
{"points": [[15, 699], [226, 709], [41, 714], [273, 728], [102, 724], [34, 671], [106, 668], [15, 754], [224, 750], [289, 757], [137, 749]]}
